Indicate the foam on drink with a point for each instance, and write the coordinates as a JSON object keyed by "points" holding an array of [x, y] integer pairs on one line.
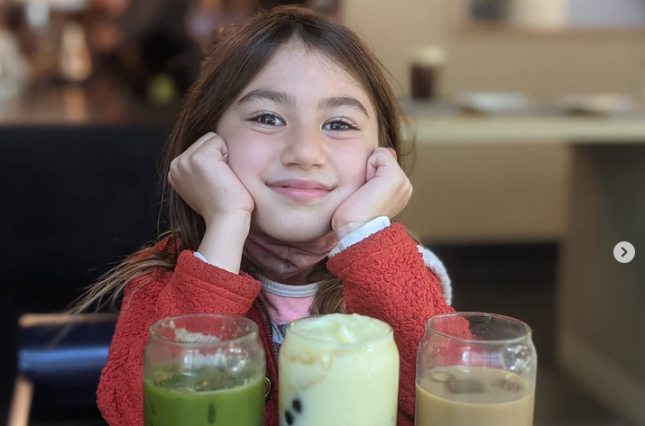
{"points": [[340, 370]]}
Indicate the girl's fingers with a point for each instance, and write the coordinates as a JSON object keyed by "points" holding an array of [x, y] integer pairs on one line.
{"points": [[214, 146], [224, 151], [381, 157], [393, 152], [375, 161], [208, 136], [370, 170]]}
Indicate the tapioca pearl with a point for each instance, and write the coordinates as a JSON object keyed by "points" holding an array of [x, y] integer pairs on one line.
{"points": [[297, 405], [289, 417]]}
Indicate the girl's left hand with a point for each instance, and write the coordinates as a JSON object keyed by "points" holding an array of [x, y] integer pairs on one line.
{"points": [[386, 192]]}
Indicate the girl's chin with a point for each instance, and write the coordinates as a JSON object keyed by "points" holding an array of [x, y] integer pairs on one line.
{"points": [[295, 231], [296, 234], [286, 224]]}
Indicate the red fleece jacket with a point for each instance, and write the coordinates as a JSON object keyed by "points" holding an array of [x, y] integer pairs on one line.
{"points": [[384, 276]]}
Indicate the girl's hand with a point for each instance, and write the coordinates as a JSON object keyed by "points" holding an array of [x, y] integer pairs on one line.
{"points": [[386, 192], [202, 177]]}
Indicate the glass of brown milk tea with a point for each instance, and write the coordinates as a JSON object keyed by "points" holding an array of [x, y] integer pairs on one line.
{"points": [[475, 369]]}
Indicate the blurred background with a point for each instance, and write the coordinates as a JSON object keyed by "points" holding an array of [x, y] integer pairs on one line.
{"points": [[529, 171]]}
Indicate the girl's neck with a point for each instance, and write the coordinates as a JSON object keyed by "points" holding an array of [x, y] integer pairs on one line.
{"points": [[302, 278], [299, 279]]}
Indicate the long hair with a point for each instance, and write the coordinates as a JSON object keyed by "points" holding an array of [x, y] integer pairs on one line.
{"points": [[237, 55]]}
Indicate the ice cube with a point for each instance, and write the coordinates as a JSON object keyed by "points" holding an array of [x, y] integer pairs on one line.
{"points": [[441, 376]]}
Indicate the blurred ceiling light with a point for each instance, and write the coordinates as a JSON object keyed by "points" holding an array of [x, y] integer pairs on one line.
{"points": [[37, 15], [59, 5]]}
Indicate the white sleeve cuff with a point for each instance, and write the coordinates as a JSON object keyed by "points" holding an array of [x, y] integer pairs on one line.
{"points": [[371, 227], [200, 256], [436, 266]]}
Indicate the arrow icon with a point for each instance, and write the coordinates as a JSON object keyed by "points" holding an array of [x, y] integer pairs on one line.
{"points": [[624, 252]]}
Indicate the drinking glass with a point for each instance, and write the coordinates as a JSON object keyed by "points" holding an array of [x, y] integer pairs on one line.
{"points": [[340, 370], [475, 369], [204, 370]]}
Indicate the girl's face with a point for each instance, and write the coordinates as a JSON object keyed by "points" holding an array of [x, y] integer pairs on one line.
{"points": [[302, 123]]}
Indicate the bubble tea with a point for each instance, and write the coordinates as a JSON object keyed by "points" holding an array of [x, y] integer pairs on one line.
{"points": [[475, 369], [204, 370], [340, 370]]}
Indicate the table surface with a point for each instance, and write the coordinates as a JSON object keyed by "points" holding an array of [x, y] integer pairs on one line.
{"points": [[434, 123], [78, 105]]}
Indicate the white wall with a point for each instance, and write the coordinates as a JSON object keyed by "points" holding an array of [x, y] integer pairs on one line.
{"points": [[545, 67]]}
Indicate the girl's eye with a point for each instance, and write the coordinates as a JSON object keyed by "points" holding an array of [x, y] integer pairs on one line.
{"points": [[339, 126], [267, 119]]}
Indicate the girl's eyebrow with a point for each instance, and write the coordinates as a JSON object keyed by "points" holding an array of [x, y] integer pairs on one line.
{"points": [[290, 101], [339, 101], [271, 95]]}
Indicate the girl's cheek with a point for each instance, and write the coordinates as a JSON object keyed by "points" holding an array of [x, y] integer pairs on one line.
{"points": [[355, 180], [240, 161], [243, 148]]}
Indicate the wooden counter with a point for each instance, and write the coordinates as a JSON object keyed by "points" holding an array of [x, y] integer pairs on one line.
{"points": [[78, 106], [600, 325], [446, 125]]}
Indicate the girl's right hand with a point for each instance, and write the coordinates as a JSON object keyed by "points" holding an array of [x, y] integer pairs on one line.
{"points": [[202, 177]]}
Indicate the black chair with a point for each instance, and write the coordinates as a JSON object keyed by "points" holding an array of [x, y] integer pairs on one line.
{"points": [[59, 362], [75, 200]]}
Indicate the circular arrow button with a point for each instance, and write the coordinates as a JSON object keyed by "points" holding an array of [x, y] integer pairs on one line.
{"points": [[624, 252]]}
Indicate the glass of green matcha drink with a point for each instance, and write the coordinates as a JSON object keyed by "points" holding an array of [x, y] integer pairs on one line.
{"points": [[204, 370]]}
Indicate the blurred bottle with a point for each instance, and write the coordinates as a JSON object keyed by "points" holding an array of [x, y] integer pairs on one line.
{"points": [[75, 60], [14, 68], [38, 19], [426, 69]]}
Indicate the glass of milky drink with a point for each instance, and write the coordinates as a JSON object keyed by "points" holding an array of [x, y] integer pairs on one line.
{"points": [[204, 370], [475, 369], [340, 370]]}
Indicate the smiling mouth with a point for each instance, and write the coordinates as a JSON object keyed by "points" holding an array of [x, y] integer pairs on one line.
{"points": [[300, 194]]}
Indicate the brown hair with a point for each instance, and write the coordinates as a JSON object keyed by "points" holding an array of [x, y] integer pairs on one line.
{"points": [[238, 54]]}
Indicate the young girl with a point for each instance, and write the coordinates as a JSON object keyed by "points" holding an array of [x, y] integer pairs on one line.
{"points": [[283, 173]]}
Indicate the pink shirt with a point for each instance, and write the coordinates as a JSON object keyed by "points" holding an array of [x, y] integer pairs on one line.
{"points": [[285, 303]]}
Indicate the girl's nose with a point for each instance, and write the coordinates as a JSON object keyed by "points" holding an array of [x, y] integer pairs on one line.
{"points": [[305, 149]]}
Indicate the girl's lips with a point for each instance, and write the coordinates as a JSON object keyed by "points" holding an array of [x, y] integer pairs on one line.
{"points": [[300, 194]]}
